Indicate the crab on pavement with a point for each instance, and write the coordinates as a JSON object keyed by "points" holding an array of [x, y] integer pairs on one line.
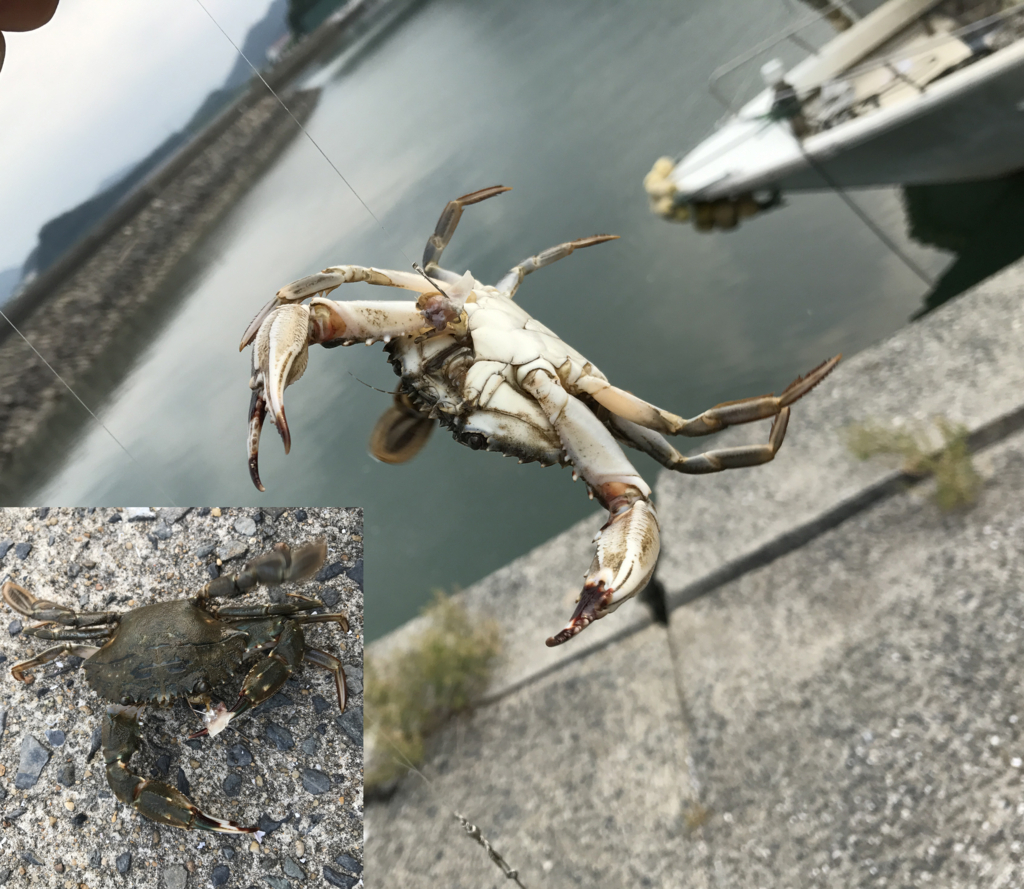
{"points": [[471, 358], [184, 648]]}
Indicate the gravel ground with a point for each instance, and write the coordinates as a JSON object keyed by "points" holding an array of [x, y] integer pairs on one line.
{"points": [[295, 766]]}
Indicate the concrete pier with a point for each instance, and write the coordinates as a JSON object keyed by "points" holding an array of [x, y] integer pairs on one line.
{"points": [[835, 699]]}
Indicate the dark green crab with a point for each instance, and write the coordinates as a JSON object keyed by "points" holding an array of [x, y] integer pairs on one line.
{"points": [[184, 648]]}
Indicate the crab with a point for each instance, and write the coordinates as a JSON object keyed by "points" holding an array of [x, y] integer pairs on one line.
{"points": [[184, 648], [471, 358]]}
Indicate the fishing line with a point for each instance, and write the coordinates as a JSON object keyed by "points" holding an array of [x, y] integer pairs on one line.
{"points": [[102, 425], [305, 132]]}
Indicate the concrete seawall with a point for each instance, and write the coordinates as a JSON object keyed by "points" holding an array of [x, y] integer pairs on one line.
{"points": [[76, 312], [835, 699]]}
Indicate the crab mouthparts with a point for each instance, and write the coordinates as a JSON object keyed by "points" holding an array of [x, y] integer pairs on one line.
{"points": [[216, 720], [593, 600]]}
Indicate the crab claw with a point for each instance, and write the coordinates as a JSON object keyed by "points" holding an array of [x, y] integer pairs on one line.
{"points": [[279, 357], [627, 551]]}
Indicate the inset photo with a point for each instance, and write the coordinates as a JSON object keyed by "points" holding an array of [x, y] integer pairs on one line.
{"points": [[181, 696]]}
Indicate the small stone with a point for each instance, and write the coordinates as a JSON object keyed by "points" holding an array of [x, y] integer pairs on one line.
{"points": [[33, 757], [315, 781], [228, 852], [356, 573], [74, 569], [281, 737], [163, 764], [171, 515], [55, 736], [278, 882], [183, 782], [59, 867], [175, 876], [116, 517], [275, 512], [22, 550], [67, 774], [232, 785], [354, 679], [96, 859], [219, 875], [5, 547], [328, 572], [293, 870], [239, 755], [15, 627], [311, 745], [232, 549], [300, 515], [349, 864], [254, 846], [340, 880], [69, 805], [215, 512], [320, 703], [330, 598], [139, 514], [161, 531], [213, 571], [268, 825], [31, 858], [79, 820], [351, 723], [156, 837], [95, 742], [245, 526], [124, 862], [300, 848], [204, 549]]}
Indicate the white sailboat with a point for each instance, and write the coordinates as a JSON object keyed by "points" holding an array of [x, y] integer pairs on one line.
{"points": [[914, 92]]}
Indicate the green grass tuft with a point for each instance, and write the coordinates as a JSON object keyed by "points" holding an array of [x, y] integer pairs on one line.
{"points": [[957, 482], [411, 695]]}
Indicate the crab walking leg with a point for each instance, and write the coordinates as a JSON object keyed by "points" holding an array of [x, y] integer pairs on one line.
{"points": [[281, 350], [330, 279], [514, 277], [729, 413], [22, 601], [280, 565], [329, 662], [449, 221], [658, 447], [629, 543], [21, 670], [154, 800]]}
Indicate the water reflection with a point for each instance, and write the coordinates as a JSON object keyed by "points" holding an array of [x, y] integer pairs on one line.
{"points": [[981, 223]]}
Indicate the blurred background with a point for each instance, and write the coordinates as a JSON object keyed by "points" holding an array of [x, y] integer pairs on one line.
{"points": [[414, 102]]}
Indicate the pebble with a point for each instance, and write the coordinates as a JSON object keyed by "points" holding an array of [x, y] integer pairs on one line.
{"points": [[139, 514], [69, 805], [161, 531], [311, 745], [183, 782], [340, 880], [55, 736], [356, 573], [228, 852], [215, 512], [353, 679], [300, 515], [22, 550], [175, 876], [268, 825], [232, 785], [315, 781], [204, 549], [245, 526], [281, 737], [163, 764], [33, 757], [79, 820], [239, 755], [232, 549], [293, 870], [30, 858], [300, 848], [320, 703], [5, 547], [220, 874], [95, 741], [328, 572], [278, 882], [59, 867], [15, 627], [351, 723], [330, 598], [96, 859], [349, 863], [124, 862], [67, 774], [171, 515]]}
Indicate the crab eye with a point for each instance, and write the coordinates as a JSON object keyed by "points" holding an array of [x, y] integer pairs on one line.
{"points": [[202, 686]]}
